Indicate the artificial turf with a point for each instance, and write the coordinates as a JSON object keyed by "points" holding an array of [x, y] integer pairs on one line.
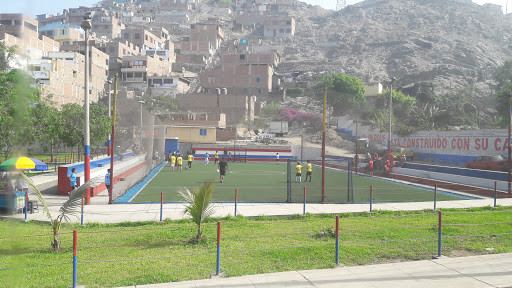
{"points": [[266, 182]]}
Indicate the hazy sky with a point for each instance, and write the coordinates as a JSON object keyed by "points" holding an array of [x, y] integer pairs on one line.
{"points": [[34, 7]]}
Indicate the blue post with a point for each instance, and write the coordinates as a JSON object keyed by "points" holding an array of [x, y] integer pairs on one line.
{"points": [[236, 200], [371, 198], [304, 201], [218, 248], [440, 235], [26, 205], [75, 258], [435, 196]]}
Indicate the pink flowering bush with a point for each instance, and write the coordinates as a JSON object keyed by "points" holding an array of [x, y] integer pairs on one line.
{"points": [[309, 119]]}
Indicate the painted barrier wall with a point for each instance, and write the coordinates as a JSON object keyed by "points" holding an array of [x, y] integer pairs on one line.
{"points": [[251, 154], [449, 147]]}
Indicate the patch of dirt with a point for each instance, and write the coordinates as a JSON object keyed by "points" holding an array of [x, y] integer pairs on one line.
{"points": [[461, 253]]}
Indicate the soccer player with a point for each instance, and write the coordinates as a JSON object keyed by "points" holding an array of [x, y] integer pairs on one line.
{"points": [[222, 167], [180, 162], [370, 167], [190, 159], [277, 158], [206, 159], [298, 176], [216, 155], [173, 162], [308, 171]]}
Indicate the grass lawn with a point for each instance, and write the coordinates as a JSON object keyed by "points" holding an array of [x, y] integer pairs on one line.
{"points": [[249, 246], [266, 182]]}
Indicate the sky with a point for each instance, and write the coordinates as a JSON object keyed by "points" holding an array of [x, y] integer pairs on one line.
{"points": [[35, 7]]}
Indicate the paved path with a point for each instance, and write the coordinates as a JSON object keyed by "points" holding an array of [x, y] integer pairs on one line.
{"points": [[464, 272]]}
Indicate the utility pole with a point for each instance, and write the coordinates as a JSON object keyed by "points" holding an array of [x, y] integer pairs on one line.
{"points": [[323, 145], [86, 25]]}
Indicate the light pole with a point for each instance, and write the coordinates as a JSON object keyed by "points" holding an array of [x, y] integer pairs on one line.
{"points": [[393, 79], [109, 81], [86, 25], [141, 102]]}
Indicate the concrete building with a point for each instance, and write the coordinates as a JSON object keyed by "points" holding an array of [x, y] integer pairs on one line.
{"points": [[45, 19], [190, 118], [104, 22], [371, 90], [278, 26], [62, 75], [204, 39], [192, 134], [65, 34], [143, 38], [136, 69], [167, 54], [178, 4], [168, 85]]}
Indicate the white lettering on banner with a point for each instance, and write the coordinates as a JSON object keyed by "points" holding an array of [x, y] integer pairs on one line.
{"points": [[472, 143]]}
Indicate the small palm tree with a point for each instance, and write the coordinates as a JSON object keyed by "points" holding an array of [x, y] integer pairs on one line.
{"points": [[69, 208], [199, 207]]}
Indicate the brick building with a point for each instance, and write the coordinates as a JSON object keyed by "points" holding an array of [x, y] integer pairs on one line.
{"points": [[136, 69], [143, 38], [247, 74], [104, 22], [65, 34], [169, 85], [116, 50], [278, 26], [204, 39]]}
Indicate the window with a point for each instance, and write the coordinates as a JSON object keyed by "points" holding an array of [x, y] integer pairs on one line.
{"points": [[63, 32], [211, 79], [202, 132], [242, 56], [126, 36], [112, 60], [192, 26], [95, 27], [281, 30], [146, 37], [42, 33], [160, 53], [49, 33], [259, 79], [288, 22], [124, 51], [105, 26], [65, 43], [168, 81], [259, 91], [288, 30], [137, 35]]}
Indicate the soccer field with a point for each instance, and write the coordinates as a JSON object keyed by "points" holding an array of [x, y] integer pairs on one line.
{"points": [[266, 182]]}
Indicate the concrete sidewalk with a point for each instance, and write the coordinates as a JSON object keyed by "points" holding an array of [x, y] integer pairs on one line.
{"points": [[493, 270]]}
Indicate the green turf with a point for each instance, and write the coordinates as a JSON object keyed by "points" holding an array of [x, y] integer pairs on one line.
{"points": [[266, 182]]}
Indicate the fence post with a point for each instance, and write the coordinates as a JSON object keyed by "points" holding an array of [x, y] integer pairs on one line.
{"points": [[82, 213], [218, 248], [495, 192], [75, 259], [337, 239], [371, 198], [440, 234], [161, 205], [26, 205], [304, 212], [236, 199], [435, 196]]}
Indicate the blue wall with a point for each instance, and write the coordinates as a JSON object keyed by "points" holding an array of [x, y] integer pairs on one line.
{"points": [[491, 175], [95, 164]]}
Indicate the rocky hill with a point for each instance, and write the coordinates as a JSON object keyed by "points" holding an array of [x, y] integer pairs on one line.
{"points": [[451, 44]]}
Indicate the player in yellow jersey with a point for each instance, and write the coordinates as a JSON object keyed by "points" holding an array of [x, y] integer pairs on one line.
{"points": [[309, 169], [298, 176], [190, 159], [179, 161], [173, 162], [216, 155]]}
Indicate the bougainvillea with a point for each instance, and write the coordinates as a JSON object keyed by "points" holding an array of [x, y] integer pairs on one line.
{"points": [[309, 119]]}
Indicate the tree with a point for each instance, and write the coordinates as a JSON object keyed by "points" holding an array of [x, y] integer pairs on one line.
{"points": [[271, 111], [344, 92], [16, 101], [503, 78], [200, 206], [72, 125], [160, 105], [69, 208], [47, 120], [7, 57], [100, 123]]}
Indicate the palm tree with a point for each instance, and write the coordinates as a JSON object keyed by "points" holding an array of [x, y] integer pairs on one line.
{"points": [[199, 207], [69, 208]]}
